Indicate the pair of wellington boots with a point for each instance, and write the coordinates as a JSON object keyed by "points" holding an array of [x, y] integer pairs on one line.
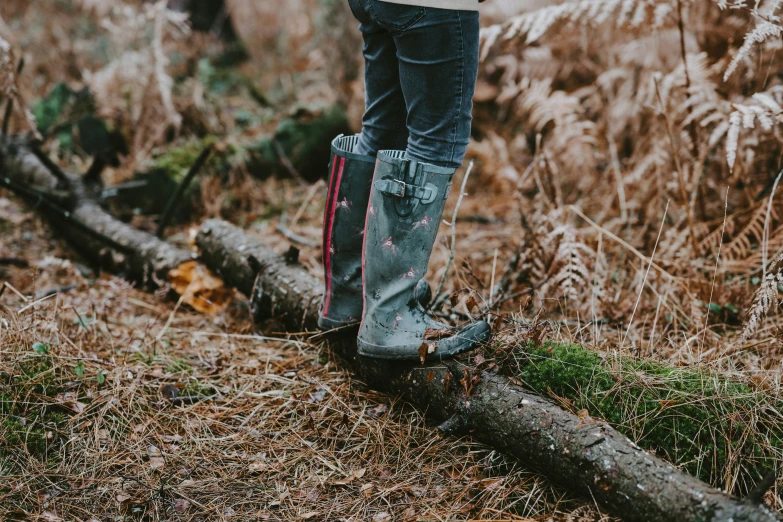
{"points": [[380, 224]]}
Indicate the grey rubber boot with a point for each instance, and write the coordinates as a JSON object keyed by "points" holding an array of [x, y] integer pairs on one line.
{"points": [[350, 178], [405, 210]]}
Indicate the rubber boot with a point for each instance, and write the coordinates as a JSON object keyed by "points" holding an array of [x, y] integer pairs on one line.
{"points": [[405, 210], [350, 178]]}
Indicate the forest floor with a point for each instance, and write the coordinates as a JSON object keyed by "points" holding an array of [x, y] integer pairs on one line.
{"points": [[156, 412], [596, 222]]}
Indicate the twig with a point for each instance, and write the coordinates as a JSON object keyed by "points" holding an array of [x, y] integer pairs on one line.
{"points": [[171, 318], [293, 236], [310, 195], [9, 106], [621, 242], [50, 165], [41, 300], [286, 162], [19, 294], [644, 281], [454, 231], [717, 262], [14, 261], [174, 200], [765, 238], [38, 198], [492, 280], [680, 174], [683, 53], [618, 176]]}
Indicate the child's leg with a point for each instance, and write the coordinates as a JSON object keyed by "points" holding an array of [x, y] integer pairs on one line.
{"points": [[437, 53], [438, 58], [384, 121]]}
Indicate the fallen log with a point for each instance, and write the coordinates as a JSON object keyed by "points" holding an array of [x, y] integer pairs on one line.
{"points": [[72, 208], [585, 455]]}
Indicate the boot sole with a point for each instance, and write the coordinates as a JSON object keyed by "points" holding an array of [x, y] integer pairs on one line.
{"points": [[324, 323], [410, 353]]}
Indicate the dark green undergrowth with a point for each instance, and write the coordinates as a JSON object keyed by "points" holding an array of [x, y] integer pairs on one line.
{"points": [[28, 422], [721, 429]]}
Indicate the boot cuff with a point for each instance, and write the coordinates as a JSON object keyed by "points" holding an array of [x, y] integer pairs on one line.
{"points": [[344, 146], [398, 159]]}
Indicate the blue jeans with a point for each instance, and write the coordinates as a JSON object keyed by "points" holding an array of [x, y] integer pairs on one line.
{"points": [[421, 66]]}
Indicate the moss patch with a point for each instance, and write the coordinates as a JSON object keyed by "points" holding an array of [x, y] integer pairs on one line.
{"points": [[713, 427], [27, 419]]}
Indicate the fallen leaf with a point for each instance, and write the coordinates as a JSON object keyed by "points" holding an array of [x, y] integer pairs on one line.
{"points": [[309, 515], [171, 391], [447, 382], [366, 490], [317, 395], [468, 381], [16, 515], [200, 288], [181, 505], [430, 376], [478, 359], [359, 473], [381, 517], [436, 334], [379, 410], [423, 350], [583, 414], [470, 303], [156, 459], [48, 516]]}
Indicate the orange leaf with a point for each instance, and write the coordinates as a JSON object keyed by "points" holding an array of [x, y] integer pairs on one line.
{"points": [[200, 288]]}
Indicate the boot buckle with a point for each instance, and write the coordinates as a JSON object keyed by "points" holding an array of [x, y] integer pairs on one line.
{"points": [[399, 188]]}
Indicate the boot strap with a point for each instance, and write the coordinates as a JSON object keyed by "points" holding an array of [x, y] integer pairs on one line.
{"points": [[400, 189]]}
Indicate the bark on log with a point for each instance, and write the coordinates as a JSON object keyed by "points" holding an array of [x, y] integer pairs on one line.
{"points": [[585, 455], [114, 245]]}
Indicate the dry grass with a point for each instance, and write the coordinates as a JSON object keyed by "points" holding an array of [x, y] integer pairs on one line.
{"points": [[621, 193], [275, 430]]}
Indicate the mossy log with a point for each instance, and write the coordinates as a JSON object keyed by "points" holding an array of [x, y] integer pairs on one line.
{"points": [[719, 427], [585, 455]]}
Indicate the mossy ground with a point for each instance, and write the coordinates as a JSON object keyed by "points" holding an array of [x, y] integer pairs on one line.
{"points": [[28, 421], [714, 427]]}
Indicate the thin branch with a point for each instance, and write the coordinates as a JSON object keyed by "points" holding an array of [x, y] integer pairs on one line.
{"points": [[173, 202], [454, 231], [50, 165], [680, 174], [647, 273], [38, 199]]}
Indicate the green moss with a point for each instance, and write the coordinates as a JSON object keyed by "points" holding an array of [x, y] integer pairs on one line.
{"points": [[178, 160], [194, 388], [709, 425], [35, 431], [26, 420]]}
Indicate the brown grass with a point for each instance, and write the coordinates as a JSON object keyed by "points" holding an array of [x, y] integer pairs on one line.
{"points": [[276, 429]]}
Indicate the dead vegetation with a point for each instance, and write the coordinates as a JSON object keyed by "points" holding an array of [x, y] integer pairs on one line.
{"points": [[627, 159]]}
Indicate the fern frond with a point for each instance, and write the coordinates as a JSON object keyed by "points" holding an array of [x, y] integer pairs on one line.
{"points": [[758, 35], [766, 297], [533, 25]]}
